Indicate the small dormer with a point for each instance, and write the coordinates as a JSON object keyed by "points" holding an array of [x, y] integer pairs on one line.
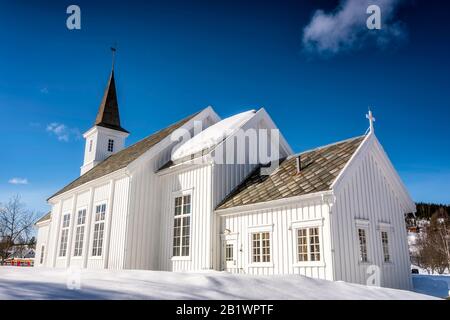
{"points": [[107, 136]]}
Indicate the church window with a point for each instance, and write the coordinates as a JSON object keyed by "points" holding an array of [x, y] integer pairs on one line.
{"points": [[385, 244], [362, 245], [308, 244], [182, 226], [90, 145], [110, 145], [64, 235], [79, 233], [260, 247], [99, 228]]}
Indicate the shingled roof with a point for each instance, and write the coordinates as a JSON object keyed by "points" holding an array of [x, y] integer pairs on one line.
{"points": [[319, 169], [124, 157], [45, 217]]}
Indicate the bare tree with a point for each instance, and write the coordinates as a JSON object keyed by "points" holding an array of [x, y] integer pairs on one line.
{"points": [[433, 243], [16, 225]]}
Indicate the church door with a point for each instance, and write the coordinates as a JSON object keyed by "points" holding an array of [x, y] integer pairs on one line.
{"points": [[230, 256]]}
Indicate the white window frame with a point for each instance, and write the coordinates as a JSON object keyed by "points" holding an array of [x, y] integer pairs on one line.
{"points": [[42, 256], [64, 229], [386, 227], [308, 224], [177, 194], [363, 224], [261, 229], [94, 223], [76, 226]]}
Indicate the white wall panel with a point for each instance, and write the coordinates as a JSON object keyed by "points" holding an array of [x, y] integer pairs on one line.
{"points": [[283, 238], [42, 241], [118, 224], [366, 194], [199, 181]]}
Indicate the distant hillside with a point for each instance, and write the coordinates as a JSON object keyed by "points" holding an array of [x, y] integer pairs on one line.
{"points": [[426, 210]]}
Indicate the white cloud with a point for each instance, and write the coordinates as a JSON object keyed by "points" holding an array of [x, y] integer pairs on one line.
{"points": [[345, 28], [63, 132], [44, 90], [18, 181]]}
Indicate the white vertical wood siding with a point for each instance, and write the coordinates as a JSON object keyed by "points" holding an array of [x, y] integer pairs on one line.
{"points": [[52, 235], [142, 230], [227, 177], [283, 238], [143, 235], [199, 180], [42, 240], [118, 224], [366, 194]]}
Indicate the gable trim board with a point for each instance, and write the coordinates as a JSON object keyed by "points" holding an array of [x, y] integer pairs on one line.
{"points": [[371, 143]]}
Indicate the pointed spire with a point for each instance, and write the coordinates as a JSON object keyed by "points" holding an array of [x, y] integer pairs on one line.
{"points": [[108, 112]]}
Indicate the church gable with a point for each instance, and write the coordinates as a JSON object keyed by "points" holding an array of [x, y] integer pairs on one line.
{"points": [[372, 153]]}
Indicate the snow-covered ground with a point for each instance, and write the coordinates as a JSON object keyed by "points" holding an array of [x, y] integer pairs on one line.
{"points": [[40, 283]]}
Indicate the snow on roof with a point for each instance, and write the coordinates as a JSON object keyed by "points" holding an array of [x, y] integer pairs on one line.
{"points": [[212, 135]]}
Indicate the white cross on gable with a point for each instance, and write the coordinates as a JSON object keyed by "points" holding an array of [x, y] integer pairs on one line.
{"points": [[371, 120]]}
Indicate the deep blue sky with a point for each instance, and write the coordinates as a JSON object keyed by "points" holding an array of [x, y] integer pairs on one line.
{"points": [[177, 57]]}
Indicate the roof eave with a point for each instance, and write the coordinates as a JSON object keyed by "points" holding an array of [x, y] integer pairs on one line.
{"points": [[325, 196], [122, 171]]}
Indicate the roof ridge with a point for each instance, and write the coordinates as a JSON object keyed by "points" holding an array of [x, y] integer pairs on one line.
{"points": [[156, 132], [324, 146]]}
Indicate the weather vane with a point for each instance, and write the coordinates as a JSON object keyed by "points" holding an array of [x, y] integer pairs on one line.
{"points": [[113, 50]]}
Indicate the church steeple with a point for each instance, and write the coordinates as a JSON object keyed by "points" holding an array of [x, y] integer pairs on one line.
{"points": [[108, 112], [107, 136]]}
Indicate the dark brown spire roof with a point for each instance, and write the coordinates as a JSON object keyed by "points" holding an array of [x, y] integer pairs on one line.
{"points": [[108, 112]]}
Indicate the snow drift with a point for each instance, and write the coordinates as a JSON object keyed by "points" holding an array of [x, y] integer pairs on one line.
{"points": [[42, 283]]}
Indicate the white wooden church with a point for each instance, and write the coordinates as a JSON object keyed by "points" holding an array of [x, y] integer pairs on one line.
{"points": [[333, 212]]}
